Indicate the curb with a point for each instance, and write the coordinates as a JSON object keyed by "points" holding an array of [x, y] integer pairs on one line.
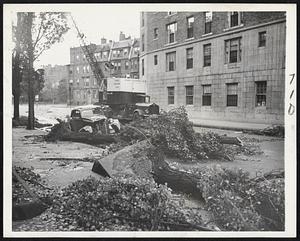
{"points": [[226, 127]]}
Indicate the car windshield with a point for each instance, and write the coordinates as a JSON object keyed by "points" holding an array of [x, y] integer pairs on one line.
{"points": [[87, 113], [91, 112]]}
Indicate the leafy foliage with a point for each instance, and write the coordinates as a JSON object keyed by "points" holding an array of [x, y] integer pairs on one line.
{"points": [[120, 204], [34, 181], [174, 134], [238, 202]]}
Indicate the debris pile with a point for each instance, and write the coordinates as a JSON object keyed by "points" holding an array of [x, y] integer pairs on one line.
{"points": [[173, 133], [123, 204], [239, 203]]}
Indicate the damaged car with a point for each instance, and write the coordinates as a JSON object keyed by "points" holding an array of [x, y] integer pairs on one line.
{"points": [[93, 119]]}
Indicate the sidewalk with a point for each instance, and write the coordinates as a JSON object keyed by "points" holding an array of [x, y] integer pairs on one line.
{"points": [[228, 125]]}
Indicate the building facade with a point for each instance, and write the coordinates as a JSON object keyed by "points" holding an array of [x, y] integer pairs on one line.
{"points": [[122, 56], [220, 65]]}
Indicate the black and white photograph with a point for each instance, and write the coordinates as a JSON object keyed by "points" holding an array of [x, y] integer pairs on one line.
{"points": [[131, 120]]}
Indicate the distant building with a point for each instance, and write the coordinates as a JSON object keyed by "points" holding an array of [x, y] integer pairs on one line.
{"points": [[53, 74], [220, 65], [123, 56]]}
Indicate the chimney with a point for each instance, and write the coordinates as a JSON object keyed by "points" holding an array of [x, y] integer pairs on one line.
{"points": [[122, 36], [103, 40]]}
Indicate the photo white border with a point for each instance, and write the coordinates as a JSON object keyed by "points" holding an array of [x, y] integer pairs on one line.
{"points": [[290, 121]]}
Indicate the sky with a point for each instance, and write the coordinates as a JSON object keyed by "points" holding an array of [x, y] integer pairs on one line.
{"points": [[95, 24]]}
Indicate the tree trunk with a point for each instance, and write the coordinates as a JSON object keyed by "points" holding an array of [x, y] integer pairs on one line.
{"points": [[30, 125], [17, 76]]}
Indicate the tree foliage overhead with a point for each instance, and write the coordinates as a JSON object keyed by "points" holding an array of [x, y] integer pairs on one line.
{"points": [[48, 29]]}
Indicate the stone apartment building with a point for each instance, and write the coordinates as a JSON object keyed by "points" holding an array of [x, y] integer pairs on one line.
{"points": [[122, 55], [220, 65]]}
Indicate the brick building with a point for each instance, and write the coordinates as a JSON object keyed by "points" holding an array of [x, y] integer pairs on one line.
{"points": [[123, 55], [220, 65]]}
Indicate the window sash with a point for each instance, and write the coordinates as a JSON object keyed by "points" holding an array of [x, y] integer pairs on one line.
{"points": [[233, 50], [189, 63], [261, 39], [232, 100], [234, 19], [189, 90], [171, 95], [171, 28], [207, 27], [206, 100], [232, 89], [171, 61], [207, 54], [206, 89]]}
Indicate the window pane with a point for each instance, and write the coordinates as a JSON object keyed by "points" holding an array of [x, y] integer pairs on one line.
{"points": [[262, 39], [170, 95], [206, 89], [234, 19], [232, 100], [208, 17], [170, 61], [206, 100], [232, 89]]}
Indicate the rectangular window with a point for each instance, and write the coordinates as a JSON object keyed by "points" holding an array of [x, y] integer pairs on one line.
{"points": [[105, 54], [155, 60], [233, 50], [87, 68], [206, 97], [95, 82], [234, 19], [170, 95], [189, 58], [126, 65], [83, 70], [143, 67], [261, 93], [232, 96], [143, 42], [125, 52], [262, 39], [190, 27], [189, 95], [171, 61], [155, 33], [207, 55], [208, 21], [171, 29], [77, 69], [119, 66]]}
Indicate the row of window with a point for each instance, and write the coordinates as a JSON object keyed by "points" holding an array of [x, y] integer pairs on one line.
{"points": [[235, 19], [84, 94], [116, 66], [233, 53], [86, 82], [231, 97], [115, 53]]}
